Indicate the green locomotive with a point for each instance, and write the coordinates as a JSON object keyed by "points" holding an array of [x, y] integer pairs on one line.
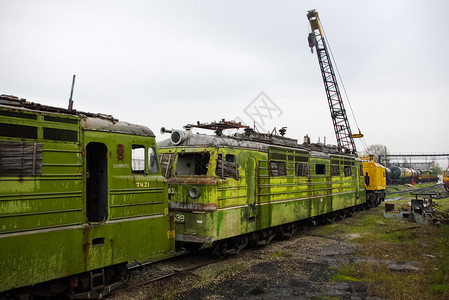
{"points": [[228, 191], [81, 196]]}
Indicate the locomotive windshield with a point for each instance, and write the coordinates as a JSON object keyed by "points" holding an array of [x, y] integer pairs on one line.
{"points": [[192, 163]]}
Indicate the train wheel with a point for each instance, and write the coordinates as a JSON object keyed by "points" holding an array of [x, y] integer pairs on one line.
{"points": [[234, 245], [368, 204], [350, 212], [241, 243], [341, 214], [330, 217], [217, 250], [265, 237], [287, 231]]}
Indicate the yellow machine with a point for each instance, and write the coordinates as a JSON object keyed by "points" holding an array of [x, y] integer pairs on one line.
{"points": [[446, 179], [375, 179]]}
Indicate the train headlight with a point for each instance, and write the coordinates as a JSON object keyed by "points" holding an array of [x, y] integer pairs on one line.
{"points": [[177, 136], [195, 192]]}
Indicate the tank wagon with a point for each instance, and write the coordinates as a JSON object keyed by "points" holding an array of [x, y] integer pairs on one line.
{"points": [[388, 175], [375, 179], [81, 196], [401, 175], [229, 191]]}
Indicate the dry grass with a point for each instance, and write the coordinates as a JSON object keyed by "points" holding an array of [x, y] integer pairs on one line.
{"points": [[383, 242]]}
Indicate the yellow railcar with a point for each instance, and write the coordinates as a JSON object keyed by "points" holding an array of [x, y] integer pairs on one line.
{"points": [[446, 178], [375, 179]]}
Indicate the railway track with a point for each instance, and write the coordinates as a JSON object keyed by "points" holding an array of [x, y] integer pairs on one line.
{"points": [[161, 270], [438, 188]]}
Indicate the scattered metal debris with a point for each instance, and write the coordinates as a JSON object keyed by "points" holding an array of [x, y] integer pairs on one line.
{"points": [[418, 210]]}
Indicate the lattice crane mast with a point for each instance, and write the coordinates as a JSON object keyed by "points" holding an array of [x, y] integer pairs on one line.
{"points": [[345, 138]]}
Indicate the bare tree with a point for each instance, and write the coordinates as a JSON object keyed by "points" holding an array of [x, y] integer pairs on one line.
{"points": [[377, 150]]}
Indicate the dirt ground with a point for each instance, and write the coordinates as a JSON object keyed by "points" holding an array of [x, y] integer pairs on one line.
{"points": [[296, 269], [310, 264], [299, 268]]}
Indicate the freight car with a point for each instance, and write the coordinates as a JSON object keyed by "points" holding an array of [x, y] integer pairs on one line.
{"points": [[228, 191], [81, 196]]}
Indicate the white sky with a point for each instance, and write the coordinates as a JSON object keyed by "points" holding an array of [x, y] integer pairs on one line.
{"points": [[169, 63]]}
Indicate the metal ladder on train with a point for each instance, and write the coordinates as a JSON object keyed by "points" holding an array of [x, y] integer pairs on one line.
{"points": [[97, 280], [168, 163]]}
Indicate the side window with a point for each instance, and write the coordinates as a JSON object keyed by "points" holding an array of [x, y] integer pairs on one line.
{"points": [[138, 159], [335, 170], [302, 169], [278, 168], [153, 165], [18, 131], [320, 169], [348, 171], [227, 167]]}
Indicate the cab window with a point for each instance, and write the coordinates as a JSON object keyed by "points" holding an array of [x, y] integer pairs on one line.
{"points": [[138, 159], [153, 166], [192, 163]]}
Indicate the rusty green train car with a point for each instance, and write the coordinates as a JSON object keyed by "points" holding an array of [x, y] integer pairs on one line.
{"points": [[81, 197], [229, 191]]}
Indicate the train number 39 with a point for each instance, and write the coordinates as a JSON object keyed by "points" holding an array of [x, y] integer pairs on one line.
{"points": [[179, 218]]}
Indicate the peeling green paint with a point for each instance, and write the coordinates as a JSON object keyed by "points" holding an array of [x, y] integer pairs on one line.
{"points": [[256, 200], [44, 228]]}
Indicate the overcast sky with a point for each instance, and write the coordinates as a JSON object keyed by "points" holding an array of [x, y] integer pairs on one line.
{"points": [[170, 63]]}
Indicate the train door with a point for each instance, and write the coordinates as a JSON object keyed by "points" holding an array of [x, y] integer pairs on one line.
{"points": [[251, 181], [251, 191], [97, 182]]}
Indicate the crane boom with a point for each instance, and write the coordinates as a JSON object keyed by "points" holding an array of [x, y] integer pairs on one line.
{"points": [[340, 121]]}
